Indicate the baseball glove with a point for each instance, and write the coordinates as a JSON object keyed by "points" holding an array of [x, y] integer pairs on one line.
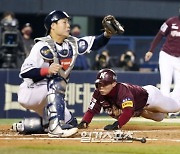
{"points": [[113, 112], [112, 26]]}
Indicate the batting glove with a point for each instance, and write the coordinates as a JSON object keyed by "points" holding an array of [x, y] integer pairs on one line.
{"points": [[82, 125], [113, 126]]}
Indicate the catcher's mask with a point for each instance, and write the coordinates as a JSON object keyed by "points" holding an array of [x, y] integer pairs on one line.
{"points": [[53, 17], [105, 77]]}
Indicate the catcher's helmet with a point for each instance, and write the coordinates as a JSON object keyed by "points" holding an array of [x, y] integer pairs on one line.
{"points": [[105, 77], [53, 17]]}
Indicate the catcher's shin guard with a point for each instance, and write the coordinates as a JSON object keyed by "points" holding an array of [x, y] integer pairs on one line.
{"points": [[29, 126], [56, 110]]}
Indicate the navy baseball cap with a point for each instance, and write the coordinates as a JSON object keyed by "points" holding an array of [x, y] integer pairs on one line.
{"points": [[53, 17]]}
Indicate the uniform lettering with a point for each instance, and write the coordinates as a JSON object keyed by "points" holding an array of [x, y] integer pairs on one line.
{"points": [[164, 27], [175, 33]]}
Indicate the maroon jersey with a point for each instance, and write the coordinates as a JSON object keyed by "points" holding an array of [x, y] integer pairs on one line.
{"points": [[171, 29], [129, 98]]}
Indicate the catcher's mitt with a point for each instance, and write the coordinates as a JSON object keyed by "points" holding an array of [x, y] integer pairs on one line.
{"points": [[112, 26]]}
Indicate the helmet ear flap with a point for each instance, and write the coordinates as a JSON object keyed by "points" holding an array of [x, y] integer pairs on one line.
{"points": [[96, 85]]}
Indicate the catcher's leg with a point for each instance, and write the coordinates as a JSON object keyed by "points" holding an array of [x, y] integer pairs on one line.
{"points": [[29, 126], [153, 115], [56, 110]]}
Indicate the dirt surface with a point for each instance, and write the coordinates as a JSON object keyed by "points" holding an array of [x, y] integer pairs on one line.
{"points": [[157, 135]]}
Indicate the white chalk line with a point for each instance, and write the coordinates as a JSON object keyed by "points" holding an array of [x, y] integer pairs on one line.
{"points": [[44, 137], [138, 119], [142, 131], [77, 139], [38, 138], [155, 139]]}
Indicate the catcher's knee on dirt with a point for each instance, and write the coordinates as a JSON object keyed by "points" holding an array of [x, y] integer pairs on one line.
{"points": [[29, 126]]}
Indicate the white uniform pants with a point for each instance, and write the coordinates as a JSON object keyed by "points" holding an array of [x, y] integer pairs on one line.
{"points": [[169, 71], [158, 102], [34, 98]]}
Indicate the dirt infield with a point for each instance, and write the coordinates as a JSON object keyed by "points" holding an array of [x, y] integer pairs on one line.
{"points": [[160, 135]]}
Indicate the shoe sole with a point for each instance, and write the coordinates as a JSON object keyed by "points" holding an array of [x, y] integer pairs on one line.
{"points": [[64, 133]]}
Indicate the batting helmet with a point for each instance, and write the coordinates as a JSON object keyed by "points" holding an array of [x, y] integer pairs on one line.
{"points": [[106, 76], [53, 17]]}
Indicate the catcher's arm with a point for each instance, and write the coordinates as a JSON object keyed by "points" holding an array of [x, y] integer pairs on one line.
{"points": [[112, 26]]}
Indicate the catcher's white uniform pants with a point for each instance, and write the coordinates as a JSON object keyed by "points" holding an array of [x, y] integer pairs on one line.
{"points": [[158, 102], [34, 98], [169, 70]]}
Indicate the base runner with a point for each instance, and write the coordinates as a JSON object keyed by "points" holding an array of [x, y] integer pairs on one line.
{"points": [[123, 101]]}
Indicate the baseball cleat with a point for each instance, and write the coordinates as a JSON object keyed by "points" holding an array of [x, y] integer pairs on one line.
{"points": [[63, 133], [174, 115]]}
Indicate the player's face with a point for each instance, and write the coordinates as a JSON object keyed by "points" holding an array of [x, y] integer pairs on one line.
{"points": [[105, 89], [61, 27]]}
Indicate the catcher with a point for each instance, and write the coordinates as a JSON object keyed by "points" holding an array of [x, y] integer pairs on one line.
{"points": [[123, 101], [46, 73]]}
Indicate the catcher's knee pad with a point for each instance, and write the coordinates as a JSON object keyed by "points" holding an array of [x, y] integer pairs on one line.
{"points": [[29, 126], [56, 85]]}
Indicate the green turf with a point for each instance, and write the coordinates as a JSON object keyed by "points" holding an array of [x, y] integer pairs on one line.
{"points": [[91, 148], [8, 121]]}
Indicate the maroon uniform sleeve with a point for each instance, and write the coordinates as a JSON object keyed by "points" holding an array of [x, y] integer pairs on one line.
{"points": [[164, 31], [94, 108], [125, 116], [88, 116], [127, 105], [156, 41]]}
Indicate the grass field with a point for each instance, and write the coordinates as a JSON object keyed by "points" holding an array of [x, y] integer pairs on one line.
{"points": [[166, 130]]}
